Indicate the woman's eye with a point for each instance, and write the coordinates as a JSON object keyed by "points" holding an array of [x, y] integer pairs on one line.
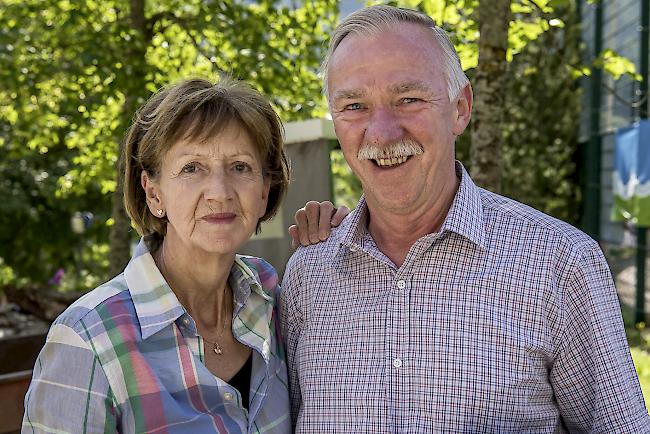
{"points": [[241, 167], [189, 168]]}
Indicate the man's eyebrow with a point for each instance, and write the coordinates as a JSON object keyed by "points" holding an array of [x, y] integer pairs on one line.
{"points": [[409, 86], [348, 94]]}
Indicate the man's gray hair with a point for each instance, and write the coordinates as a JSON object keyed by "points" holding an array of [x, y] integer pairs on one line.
{"points": [[375, 19]]}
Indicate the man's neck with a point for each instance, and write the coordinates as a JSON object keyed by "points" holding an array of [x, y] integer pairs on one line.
{"points": [[395, 233]]}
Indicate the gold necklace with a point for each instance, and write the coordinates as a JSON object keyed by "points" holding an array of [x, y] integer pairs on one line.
{"points": [[216, 348]]}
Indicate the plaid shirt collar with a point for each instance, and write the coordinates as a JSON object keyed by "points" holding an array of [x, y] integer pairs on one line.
{"points": [[465, 217], [157, 306]]}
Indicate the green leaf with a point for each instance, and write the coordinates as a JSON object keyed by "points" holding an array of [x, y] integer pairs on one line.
{"points": [[616, 65]]}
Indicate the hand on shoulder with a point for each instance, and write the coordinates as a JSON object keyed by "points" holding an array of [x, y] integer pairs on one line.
{"points": [[314, 222]]}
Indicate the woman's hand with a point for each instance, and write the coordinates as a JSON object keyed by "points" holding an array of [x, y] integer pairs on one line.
{"points": [[314, 222]]}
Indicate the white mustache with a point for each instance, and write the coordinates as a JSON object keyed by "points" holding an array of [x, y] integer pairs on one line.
{"points": [[403, 148]]}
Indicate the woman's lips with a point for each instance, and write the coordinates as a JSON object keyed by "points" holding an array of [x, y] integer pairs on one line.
{"points": [[222, 217]]}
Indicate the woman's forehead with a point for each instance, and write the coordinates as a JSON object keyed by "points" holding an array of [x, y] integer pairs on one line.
{"points": [[231, 140]]}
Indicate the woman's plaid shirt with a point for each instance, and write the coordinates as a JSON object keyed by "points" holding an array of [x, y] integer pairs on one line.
{"points": [[127, 358]]}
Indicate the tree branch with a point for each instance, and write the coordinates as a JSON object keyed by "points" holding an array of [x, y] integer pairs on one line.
{"points": [[633, 104]]}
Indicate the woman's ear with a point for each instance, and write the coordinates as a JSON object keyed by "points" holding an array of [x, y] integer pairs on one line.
{"points": [[152, 193]]}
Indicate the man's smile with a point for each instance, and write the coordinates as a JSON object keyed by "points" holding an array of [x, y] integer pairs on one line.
{"points": [[390, 162]]}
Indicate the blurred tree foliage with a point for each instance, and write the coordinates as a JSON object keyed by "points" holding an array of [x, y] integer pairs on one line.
{"points": [[347, 187], [72, 74], [543, 115], [542, 106]]}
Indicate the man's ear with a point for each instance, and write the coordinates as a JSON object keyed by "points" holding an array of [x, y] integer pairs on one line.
{"points": [[463, 112], [152, 193]]}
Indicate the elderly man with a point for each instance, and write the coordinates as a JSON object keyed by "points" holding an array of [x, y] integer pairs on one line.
{"points": [[438, 306]]}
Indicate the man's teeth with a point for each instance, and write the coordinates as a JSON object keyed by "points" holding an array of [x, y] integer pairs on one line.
{"points": [[390, 161]]}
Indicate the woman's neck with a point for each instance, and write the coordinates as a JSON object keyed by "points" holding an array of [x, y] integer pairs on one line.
{"points": [[199, 281]]}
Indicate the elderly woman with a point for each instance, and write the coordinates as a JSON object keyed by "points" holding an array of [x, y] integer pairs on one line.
{"points": [[186, 338]]}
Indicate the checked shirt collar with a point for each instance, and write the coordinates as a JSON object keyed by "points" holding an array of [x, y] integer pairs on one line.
{"points": [[465, 218]]}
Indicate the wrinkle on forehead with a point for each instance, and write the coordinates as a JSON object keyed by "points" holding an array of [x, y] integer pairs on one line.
{"points": [[349, 94], [214, 152], [408, 86]]}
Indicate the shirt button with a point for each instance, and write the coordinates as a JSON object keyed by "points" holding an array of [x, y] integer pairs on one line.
{"points": [[401, 284], [397, 363], [227, 396], [353, 248], [186, 321]]}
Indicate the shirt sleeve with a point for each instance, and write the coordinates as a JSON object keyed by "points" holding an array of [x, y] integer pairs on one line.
{"points": [[69, 391], [593, 376], [291, 324]]}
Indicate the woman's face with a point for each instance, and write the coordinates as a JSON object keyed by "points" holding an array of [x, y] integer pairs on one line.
{"points": [[212, 192]]}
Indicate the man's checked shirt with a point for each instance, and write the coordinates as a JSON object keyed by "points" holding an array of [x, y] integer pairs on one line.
{"points": [[504, 321], [127, 358]]}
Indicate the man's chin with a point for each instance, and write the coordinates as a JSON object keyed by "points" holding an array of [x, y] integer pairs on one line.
{"points": [[394, 202]]}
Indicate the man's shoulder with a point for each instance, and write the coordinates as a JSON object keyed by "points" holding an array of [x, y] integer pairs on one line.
{"points": [[309, 266], [510, 216], [321, 253]]}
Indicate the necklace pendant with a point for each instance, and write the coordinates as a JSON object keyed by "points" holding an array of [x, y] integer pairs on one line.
{"points": [[217, 349]]}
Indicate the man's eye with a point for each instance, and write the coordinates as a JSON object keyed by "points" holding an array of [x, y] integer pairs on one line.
{"points": [[410, 100], [189, 168], [353, 106]]}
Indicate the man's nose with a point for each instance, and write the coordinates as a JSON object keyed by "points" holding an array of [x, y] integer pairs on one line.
{"points": [[383, 127]]}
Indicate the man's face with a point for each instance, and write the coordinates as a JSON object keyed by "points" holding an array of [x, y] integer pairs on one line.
{"points": [[388, 99]]}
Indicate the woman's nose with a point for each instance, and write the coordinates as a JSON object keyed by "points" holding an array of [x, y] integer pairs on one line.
{"points": [[217, 186]]}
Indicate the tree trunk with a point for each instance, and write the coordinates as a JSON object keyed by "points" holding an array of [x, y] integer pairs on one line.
{"points": [[489, 90], [121, 233]]}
